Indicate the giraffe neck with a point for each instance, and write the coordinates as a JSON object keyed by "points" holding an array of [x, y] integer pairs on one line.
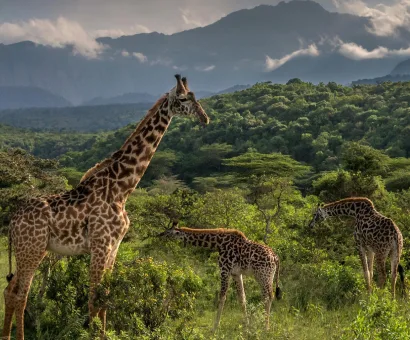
{"points": [[208, 238], [125, 168], [354, 208]]}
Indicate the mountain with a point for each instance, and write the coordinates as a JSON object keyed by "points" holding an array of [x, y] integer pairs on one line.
{"points": [[135, 97], [12, 97], [402, 68], [232, 50], [126, 98]]}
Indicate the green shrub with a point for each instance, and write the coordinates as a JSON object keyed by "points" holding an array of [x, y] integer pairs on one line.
{"points": [[379, 318]]}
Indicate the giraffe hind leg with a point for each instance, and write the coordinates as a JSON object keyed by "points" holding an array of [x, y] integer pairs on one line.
{"points": [[265, 281], [381, 266], [9, 302], [20, 293], [395, 259]]}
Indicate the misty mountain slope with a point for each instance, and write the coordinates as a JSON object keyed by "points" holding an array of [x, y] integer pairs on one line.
{"points": [[230, 51], [12, 97]]}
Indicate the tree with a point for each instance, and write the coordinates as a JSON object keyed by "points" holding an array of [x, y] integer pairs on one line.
{"points": [[268, 194]]}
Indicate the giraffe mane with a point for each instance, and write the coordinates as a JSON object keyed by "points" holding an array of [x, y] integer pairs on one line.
{"points": [[350, 199], [217, 231], [108, 161]]}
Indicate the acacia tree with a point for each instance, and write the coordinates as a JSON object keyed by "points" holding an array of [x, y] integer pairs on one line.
{"points": [[24, 176], [269, 194]]}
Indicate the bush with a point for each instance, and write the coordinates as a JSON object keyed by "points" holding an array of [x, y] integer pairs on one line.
{"points": [[144, 294], [379, 318]]}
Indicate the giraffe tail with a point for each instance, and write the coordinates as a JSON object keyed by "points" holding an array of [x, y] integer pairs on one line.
{"points": [[278, 292], [401, 273], [9, 277]]}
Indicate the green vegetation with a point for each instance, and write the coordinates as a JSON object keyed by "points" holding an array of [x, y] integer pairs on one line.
{"points": [[80, 118], [270, 154]]}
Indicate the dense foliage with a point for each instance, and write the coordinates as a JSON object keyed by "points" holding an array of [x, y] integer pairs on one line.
{"points": [[271, 153]]}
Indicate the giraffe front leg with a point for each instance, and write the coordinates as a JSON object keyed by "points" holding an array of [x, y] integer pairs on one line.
{"points": [[102, 314], [241, 295], [99, 259], [370, 261], [363, 258], [222, 297]]}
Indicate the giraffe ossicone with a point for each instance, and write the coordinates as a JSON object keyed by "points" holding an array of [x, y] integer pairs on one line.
{"points": [[376, 236], [91, 218], [237, 256]]}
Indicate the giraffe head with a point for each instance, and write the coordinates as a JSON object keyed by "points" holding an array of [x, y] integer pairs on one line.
{"points": [[172, 232], [319, 215], [183, 102]]}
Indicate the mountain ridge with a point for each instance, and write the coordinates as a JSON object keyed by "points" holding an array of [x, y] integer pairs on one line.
{"points": [[231, 50]]}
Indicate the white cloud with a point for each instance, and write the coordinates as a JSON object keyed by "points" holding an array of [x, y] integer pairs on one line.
{"points": [[115, 33], [58, 33], [205, 68], [273, 64], [125, 53], [142, 58], [357, 52], [189, 19], [385, 20]]}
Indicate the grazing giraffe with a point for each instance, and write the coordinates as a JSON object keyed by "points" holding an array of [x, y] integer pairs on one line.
{"points": [[90, 218], [375, 236], [237, 256]]}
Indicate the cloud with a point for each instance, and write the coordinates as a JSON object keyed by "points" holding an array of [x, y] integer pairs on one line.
{"points": [[58, 33], [357, 52], [273, 64], [125, 53], [115, 33], [384, 19], [205, 68], [142, 58], [189, 20]]}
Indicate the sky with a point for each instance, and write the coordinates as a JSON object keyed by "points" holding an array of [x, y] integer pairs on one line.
{"points": [[79, 22]]}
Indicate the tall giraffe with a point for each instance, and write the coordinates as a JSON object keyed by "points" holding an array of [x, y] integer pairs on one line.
{"points": [[237, 256], [375, 236], [90, 218]]}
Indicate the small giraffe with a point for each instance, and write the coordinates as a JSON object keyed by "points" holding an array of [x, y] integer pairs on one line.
{"points": [[237, 256], [375, 236], [90, 218]]}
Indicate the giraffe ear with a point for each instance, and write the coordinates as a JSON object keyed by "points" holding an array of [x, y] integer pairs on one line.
{"points": [[180, 86], [174, 224]]}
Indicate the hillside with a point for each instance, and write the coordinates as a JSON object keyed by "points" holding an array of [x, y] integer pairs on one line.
{"points": [[82, 118], [230, 51], [311, 123], [13, 97]]}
